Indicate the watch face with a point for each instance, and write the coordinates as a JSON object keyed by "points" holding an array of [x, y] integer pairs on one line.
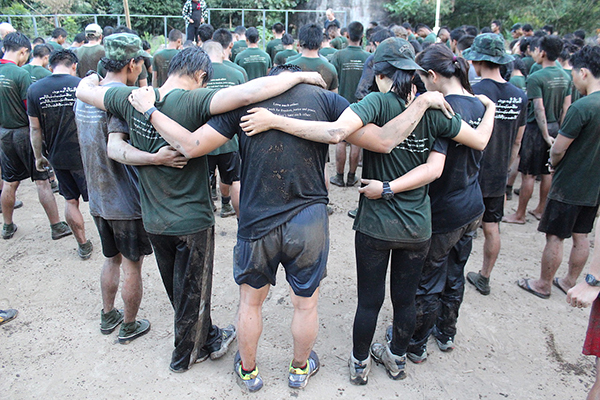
{"points": [[591, 280]]}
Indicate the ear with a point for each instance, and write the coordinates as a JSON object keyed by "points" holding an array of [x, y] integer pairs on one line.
{"points": [[433, 74], [200, 76]]}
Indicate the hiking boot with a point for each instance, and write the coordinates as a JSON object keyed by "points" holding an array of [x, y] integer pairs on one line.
{"points": [[7, 315], [251, 381], [445, 343], [359, 370], [481, 284], [8, 230], [337, 180], [219, 347], [84, 251], [351, 179], [394, 365], [133, 330], [227, 210], [60, 230], [110, 320], [298, 377], [417, 355], [352, 213]]}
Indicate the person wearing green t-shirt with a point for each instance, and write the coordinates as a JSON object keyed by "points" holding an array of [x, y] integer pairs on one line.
{"points": [[549, 92], [274, 46], [239, 43], [337, 41], [38, 67], [288, 50], [91, 53], [575, 191], [225, 38], [255, 61], [349, 63], [59, 36], [326, 49], [162, 58], [176, 205], [425, 33]]}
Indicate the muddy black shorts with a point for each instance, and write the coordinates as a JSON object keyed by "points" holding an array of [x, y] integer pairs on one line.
{"points": [[71, 184], [16, 156], [127, 237], [301, 245], [562, 219], [494, 209], [535, 151], [229, 167]]}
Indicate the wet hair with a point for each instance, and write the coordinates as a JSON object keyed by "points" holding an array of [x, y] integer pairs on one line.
{"points": [[252, 35], [205, 32], [175, 35], [190, 61], [277, 27], [381, 35], [456, 34], [580, 33], [552, 45], [62, 57], [116, 66], [42, 50], [223, 36], [80, 38], [15, 41], [59, 32], [37, 40], [287, 39], [310, 37], [240, 30], [401, 79], [527, 28], [588, 57], [355, 31], [465, 42], [471, 30], [439, 58], [284, 68]]}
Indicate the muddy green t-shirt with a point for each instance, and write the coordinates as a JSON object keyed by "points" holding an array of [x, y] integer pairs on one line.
{"points": [[237, 48], [55, 45], [174, 201], [519, 81], [36, 72], [237, 67], [552, 85], [339, 43], [576, 178], [282, 56], [349, 64], [528, 61], [161, 63], [319, 65], [327, 52], [431, 38], [14, 82], [274, 47], [89, 56], [407, 216], [255, 61]]}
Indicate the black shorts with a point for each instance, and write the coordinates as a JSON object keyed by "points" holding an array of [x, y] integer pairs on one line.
{"points": [[71, 184], [494, 209], [16, 156], [535, 151], [127, 237], [229, 166], [562, 219], [301, 245]]}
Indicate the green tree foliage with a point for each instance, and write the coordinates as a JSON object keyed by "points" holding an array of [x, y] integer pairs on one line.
{"points": [[418, 10]]}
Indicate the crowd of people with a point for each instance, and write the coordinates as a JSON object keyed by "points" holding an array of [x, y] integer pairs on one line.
{"points": [[440, 122]]}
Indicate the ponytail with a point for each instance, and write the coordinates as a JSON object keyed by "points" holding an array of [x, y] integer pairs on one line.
{"points": [[439, 58]]}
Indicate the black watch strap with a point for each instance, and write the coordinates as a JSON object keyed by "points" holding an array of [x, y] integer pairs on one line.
{"points": [[149, 112]]}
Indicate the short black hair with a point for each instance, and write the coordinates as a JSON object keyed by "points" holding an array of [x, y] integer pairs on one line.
{"points": [[146, 45], [42, 50], [527, 28], [407, 26], [287, 39], [552, 45], [63, 57], [580, 33], [497, 23], [38, 40], [540, 33], [205, 32], [548, 28], [277, 27], [116, 66], [471, 30], [588, 57], [485, 29], [355, 31], [108, 30], [223, 37], [59, 32], [381, 35], [240, 30], [457, 33], [15, 41], [80, 38], [252, 35], [175, 35], [124, 29], [419, 26], [524, 43], [518, 64], [465, 42], [310, 37], [190, 61], [284, 68]]}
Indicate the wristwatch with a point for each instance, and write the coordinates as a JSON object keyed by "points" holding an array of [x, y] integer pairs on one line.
{"points": [[591, 280], [149, 112], [387, 193]]}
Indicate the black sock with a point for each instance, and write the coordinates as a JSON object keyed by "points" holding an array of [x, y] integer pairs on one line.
{"points": [[225, 200]]}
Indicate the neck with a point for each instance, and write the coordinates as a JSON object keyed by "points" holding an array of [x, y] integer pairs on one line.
{"points": [[452, 86], [547, 63], [253, 45], [351, 43], [173, 82], [37, 61], [120, 76], [61, 69], [310, 53], [592, 87], [93, 42], [173, 45], [216, 59], [278, 35], [491, 73], [12, 56]]}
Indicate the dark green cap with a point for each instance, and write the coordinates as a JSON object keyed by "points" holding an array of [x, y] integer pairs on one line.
{"points": [[123, 47], [398, 52], [488, 47]]}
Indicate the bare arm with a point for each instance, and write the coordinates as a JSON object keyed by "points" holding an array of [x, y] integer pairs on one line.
{"points": [[119, 150], [582, 294], [517, 144], [540, 118], [559, 148], [89, 92], [415, 178], [35, 136], [566, 105]]}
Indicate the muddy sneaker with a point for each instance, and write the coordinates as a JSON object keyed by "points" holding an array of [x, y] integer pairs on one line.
{"points": [[250, 381], [359, 370], [337, 180], [352, 213], [8, 230], [394, 365], [133, 330], [227, 210], [417, 355], [481, 284], [7, 315], [110, 320], [445, 343], [60, 230], [351, 180], [219, 347], [298, 377], [84, 251]]}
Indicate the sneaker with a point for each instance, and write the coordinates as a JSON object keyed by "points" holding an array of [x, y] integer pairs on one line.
{"points": [[133, 330], [54, 186], [394, 365], [298, 377], [110, 320], [359, 370], [84, 251], [7, 315], [250, 381], [481, 284], [330, 210], [60, 230], [351, 179], [8, 230], [227, 210], [219, 347], [418, 355], [337, 180], [18, 204], [352, 213], [445, 343]]}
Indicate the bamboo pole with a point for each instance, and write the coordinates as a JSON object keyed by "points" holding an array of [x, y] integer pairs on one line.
{"points": [[127, 18]]}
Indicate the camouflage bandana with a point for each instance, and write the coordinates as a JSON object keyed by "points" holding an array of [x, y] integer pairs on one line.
{"points": [[123, 47], [488, 47]]}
